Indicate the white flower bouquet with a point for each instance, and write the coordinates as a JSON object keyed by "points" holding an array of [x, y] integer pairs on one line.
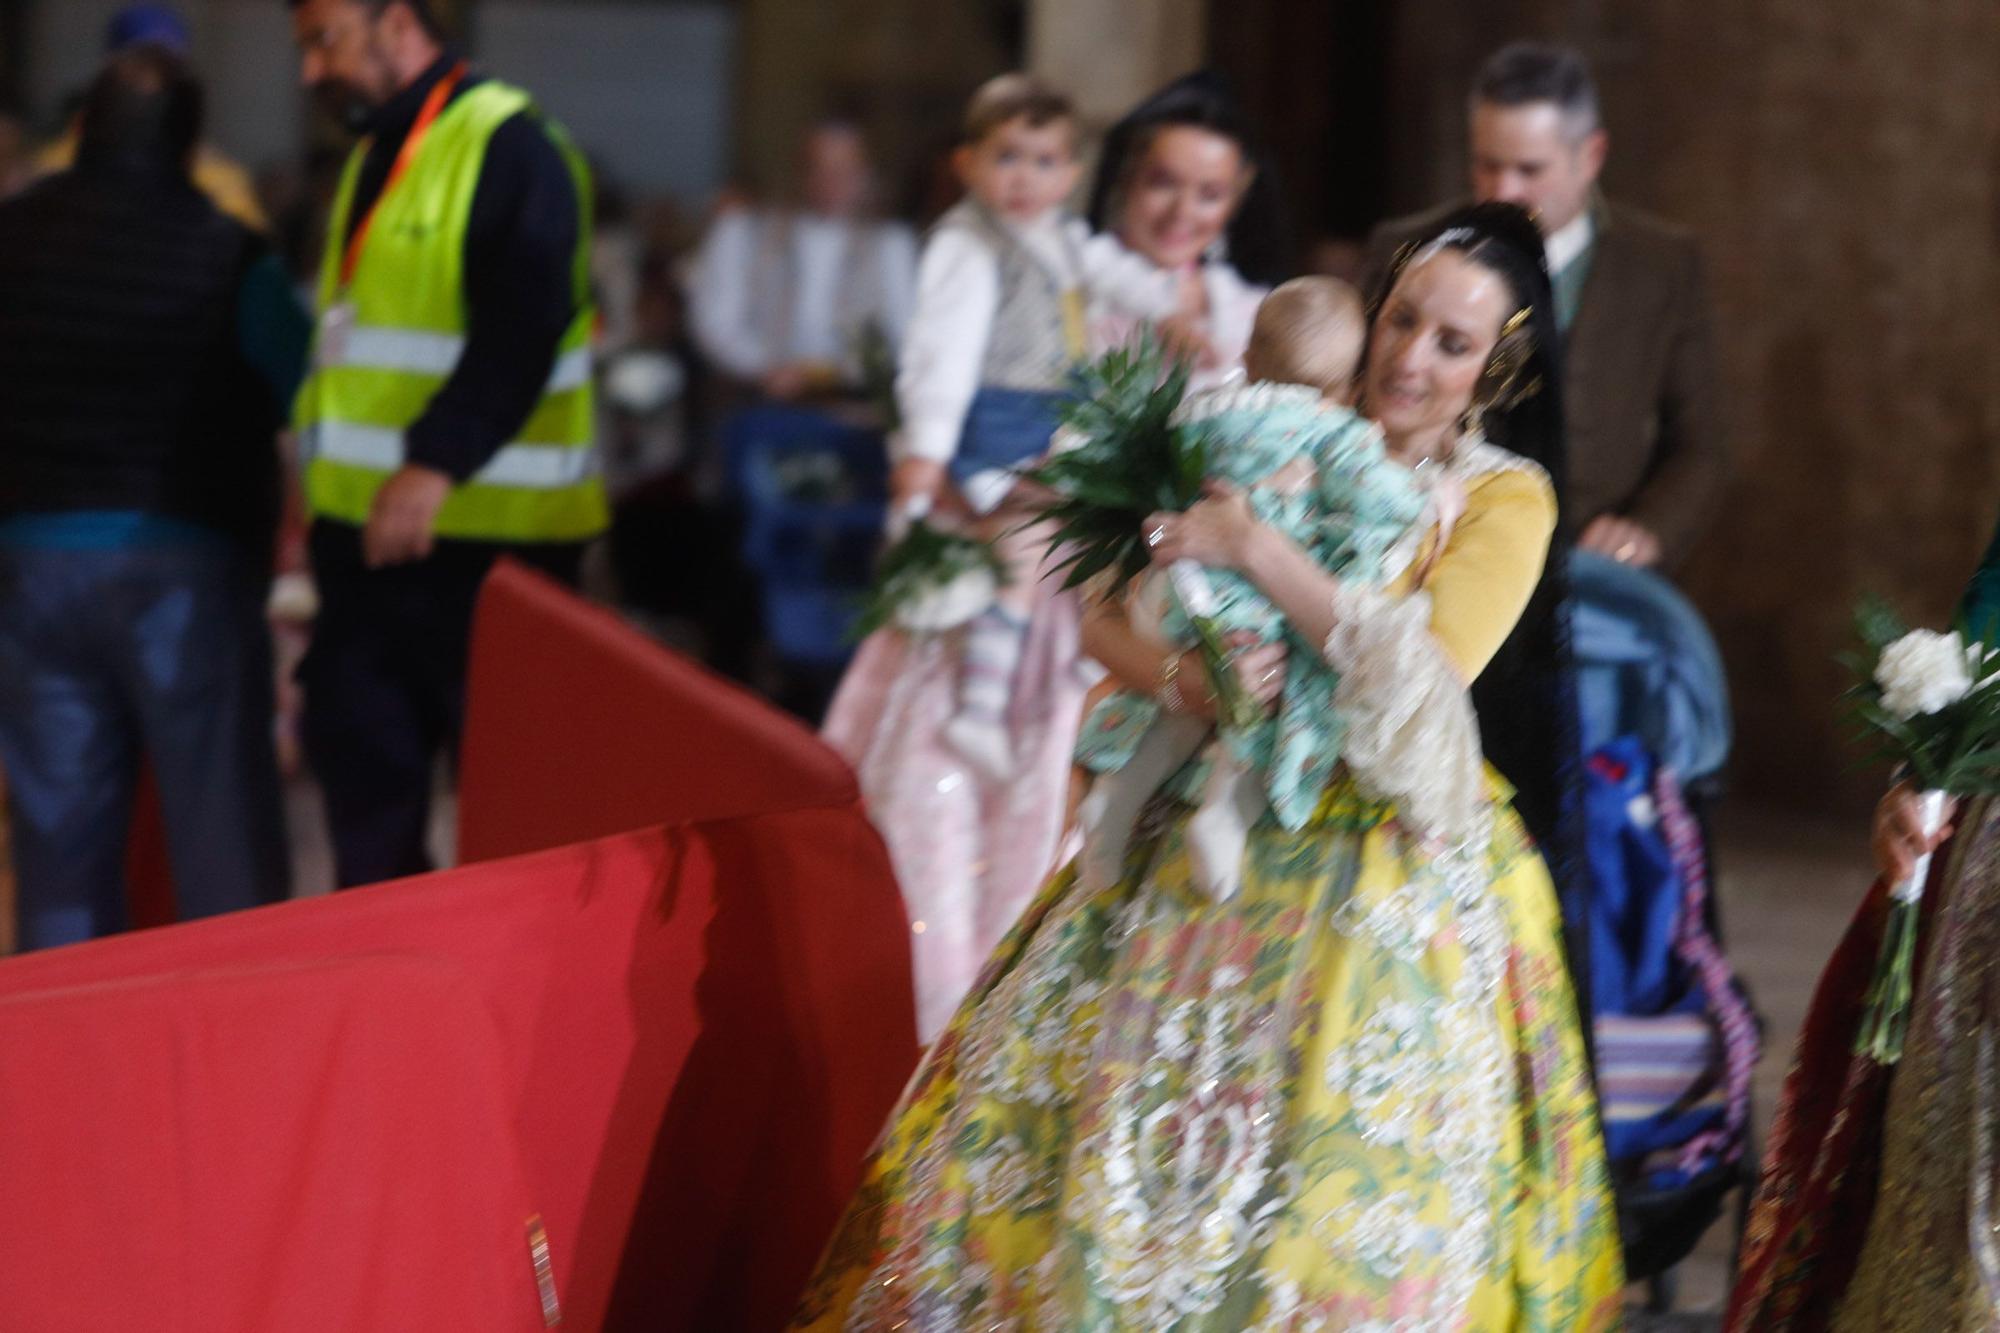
{"points": [[931, 580], [1930, 703]]}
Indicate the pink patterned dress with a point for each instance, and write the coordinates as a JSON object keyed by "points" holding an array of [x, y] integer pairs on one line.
{"points": [[970, 854]]}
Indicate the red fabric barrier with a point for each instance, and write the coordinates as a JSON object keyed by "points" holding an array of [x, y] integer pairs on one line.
{"points": [[210, 1152], [701, 1030], [675, 1044], [578, 726]]}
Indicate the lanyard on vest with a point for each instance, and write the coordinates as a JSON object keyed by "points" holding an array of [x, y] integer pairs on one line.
{"points": [[433, 107]]}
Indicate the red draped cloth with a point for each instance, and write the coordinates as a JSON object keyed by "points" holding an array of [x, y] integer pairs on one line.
{"points": [[175, 1161], [662, 1046], [576, 727], [1822, 1162]]}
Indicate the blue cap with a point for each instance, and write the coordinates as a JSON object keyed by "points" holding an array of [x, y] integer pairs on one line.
{"points": [[143, 25]]}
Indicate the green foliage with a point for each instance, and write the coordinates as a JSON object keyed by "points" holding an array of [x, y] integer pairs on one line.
{"points": [[878, 374], [925, 560], [1128, 461]]}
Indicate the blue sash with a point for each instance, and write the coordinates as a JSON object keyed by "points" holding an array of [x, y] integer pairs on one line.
{"points": [[1005, 428]]}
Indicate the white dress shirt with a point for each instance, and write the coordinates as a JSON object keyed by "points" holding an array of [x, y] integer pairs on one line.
{"points": [[723, 290], [1570, 241]]}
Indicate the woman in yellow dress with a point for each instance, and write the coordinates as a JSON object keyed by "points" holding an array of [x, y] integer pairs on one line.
{"points": [[1352, 1096]]}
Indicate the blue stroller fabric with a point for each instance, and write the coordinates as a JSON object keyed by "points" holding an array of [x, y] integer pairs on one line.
{"points": [[1659, 1051], [1647, 666]]}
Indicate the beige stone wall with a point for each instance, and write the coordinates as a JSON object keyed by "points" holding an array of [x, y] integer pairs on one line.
{"points": [[1110, 53], [1839, 158], [905, 67]]}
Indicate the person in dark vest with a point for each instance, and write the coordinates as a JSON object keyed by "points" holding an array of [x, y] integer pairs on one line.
{"points": [[228, 186], [150, 346], [448, 418]]}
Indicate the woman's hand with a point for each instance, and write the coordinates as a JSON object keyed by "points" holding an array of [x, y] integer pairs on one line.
{"points": [[1185, 339], [1259, 670], [1899, 833], [1191, 295], [1218, 531]]}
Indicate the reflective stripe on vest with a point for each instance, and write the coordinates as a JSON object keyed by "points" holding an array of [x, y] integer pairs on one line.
{"points": [[437, 354], [528, 467], [389, 342]]}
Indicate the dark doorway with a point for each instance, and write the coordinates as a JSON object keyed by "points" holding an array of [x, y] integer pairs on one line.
{"points": [[1313, 75]]}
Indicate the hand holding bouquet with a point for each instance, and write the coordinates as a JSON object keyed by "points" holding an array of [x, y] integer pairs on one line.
{"points": [[931, 580], [1120, 459], [1929, 702]]}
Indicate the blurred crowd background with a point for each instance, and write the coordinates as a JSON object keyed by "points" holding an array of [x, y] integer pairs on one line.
{"points": [[1838, 163]]}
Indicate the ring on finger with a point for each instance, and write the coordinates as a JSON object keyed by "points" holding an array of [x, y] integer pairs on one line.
{"points": [[1157, 535]]}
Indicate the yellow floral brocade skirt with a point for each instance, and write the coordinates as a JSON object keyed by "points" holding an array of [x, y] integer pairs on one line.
{"points": [[1352, 1097]]}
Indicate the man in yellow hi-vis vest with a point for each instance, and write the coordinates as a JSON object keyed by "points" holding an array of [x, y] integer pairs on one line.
{"points": [[447, 419]]}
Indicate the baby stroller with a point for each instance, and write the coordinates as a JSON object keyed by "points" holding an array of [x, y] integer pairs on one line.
{"points": [[1676, 1038], [813, 493]]}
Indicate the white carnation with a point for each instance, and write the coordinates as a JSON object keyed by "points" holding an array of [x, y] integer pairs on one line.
{"points": [[1924, 671], [949, 604], [642, 383]]}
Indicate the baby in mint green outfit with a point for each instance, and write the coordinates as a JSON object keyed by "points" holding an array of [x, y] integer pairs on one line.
{"points": [[1315, 470]]}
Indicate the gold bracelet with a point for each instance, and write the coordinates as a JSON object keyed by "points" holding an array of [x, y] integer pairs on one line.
{"points": [[1168, 691]]}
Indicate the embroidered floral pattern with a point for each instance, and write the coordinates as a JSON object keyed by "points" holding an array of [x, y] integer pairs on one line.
{"points": [[1352, 1096], [1324, 1104]]}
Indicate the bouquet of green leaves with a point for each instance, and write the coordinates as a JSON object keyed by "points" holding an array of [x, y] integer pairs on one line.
{"points": [[1929, 702], [1122, 459], [930, 581]]}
